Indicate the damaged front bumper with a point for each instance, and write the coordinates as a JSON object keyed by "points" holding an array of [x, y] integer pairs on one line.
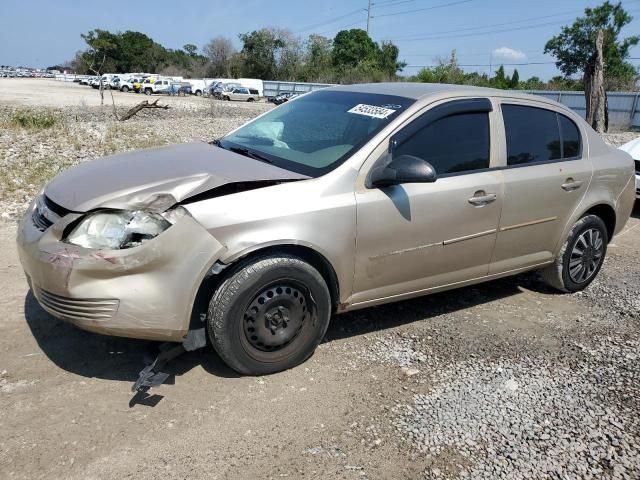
{"points": [[141, 292]]}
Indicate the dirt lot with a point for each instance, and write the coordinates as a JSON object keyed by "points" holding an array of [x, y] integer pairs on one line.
{"points": [[502, 380]]}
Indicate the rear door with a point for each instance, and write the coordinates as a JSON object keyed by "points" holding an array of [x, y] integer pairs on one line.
{"points": [[546, 177]]}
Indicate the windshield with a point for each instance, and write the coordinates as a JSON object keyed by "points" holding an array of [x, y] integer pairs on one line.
{"points": [[317, 132]]}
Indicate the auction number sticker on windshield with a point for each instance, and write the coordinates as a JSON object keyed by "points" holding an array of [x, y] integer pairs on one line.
{"points": [[371, 111]]}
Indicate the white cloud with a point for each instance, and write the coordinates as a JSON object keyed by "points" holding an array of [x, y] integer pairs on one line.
{"points": [[509, 54]]}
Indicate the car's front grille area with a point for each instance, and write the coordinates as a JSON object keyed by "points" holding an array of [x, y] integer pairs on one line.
{"points": [[46, 213], [78, 308], [40, 221]]}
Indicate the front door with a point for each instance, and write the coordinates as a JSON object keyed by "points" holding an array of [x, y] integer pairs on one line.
{"points": [[414, 237]]}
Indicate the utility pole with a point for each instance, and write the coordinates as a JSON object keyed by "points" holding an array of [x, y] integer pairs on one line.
{"points": [[368, 16]]}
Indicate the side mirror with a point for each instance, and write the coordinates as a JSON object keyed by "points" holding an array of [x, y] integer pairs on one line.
{"points": [[403, 169]]}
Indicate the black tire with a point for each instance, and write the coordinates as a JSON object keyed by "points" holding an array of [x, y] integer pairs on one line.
{"points": [[198, 93], [249, 99], [125, 89], [147, 91], [581, 256], [269, 315]]}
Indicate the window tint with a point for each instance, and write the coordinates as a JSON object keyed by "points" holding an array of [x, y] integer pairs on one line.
{"points": [[458, 143], [571, 138], [532, 134]]}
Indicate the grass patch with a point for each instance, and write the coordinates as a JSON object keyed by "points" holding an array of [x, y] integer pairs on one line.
{"points": [[33, 120]]}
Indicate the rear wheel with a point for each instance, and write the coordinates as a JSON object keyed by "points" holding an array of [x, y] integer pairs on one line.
{"points": [[198, 93], [249, 99], [147, 91], [269, 315], [226, 98], [581, 256]]}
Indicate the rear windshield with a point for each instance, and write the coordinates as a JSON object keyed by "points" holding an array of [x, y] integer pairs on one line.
{"points": [[317, 132]]}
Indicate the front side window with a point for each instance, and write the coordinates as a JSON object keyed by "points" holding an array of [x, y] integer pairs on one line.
{"points": [[537, 135], [318, 131], [454, 144]]}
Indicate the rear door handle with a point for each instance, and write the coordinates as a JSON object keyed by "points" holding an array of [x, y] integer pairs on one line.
{"points": [[481, 198], [570, 185]]}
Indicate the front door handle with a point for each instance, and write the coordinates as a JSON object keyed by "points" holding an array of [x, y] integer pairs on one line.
{"points": [[570, 185], [481, 198]]}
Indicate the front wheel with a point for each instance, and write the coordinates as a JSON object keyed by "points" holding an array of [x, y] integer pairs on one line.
{"points": [[269, 315], [147, 91], [581, 256], [125, 89]]}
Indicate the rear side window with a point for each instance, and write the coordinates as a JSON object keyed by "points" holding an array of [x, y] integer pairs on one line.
{"points": [[454, 144], [571, 138], [537, 135]]}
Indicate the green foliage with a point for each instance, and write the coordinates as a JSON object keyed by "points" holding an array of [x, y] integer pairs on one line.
{"points": [[448, 71], [33, 120], [259, 51], [574, 47], [133, 52], [351, 47], [269, 53], [514, 82]]}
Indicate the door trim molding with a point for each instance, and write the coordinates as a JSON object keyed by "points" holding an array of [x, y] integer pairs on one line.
{"points": [[469, 237], [528, 224]]}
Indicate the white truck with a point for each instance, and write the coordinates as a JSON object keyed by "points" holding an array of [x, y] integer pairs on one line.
{"points": [[199, 86], [161, 85]]}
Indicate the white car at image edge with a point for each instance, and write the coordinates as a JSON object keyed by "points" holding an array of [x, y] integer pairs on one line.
{"points": [[633, 149]]}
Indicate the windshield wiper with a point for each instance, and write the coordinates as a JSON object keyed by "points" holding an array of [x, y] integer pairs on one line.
{"points": [[250, 153]]}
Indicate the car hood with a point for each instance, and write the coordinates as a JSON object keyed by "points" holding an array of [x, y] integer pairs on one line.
{"points": [[155, 179]]}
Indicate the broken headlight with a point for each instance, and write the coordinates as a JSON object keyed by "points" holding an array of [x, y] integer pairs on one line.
{"points": [[117, 229]]}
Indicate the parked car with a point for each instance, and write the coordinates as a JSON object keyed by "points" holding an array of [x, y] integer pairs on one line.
{"points": [[180, 88], [400, 190], [219, 89], [129, 84], [242, 94], [159, 86], [198, 87], [147, 82], [282, 98], [633, 149]]}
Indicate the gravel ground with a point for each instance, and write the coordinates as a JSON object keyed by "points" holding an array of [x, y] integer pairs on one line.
{"points": [[505, 380]]}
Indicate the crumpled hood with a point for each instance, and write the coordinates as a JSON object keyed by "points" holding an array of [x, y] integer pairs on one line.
{"points": [[155, 179]]}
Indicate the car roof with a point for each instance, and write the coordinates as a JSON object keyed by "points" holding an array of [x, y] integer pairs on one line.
{"points": [[417, 90]]}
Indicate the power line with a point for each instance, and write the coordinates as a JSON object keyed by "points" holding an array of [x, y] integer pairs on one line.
{"points": [[331, 20], [523, 20], [441, 37], [433, 7]]}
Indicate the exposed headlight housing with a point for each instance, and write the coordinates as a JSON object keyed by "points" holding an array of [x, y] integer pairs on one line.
{"points": [[117, 229]]}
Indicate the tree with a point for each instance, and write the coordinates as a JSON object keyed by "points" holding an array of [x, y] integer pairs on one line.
{"points": [[351, 47], [259, 51], [515, 80], [220, 52], [191, 49], [289, 57], [500, 79], [318, 60], [575, 47], [388, 59]]}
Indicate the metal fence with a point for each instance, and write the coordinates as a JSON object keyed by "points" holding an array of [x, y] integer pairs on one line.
{"points": [[273, 88], [624, 110]]}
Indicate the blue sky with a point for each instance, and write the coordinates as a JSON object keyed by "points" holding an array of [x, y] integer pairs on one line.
{"points": [[45, 32]]}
